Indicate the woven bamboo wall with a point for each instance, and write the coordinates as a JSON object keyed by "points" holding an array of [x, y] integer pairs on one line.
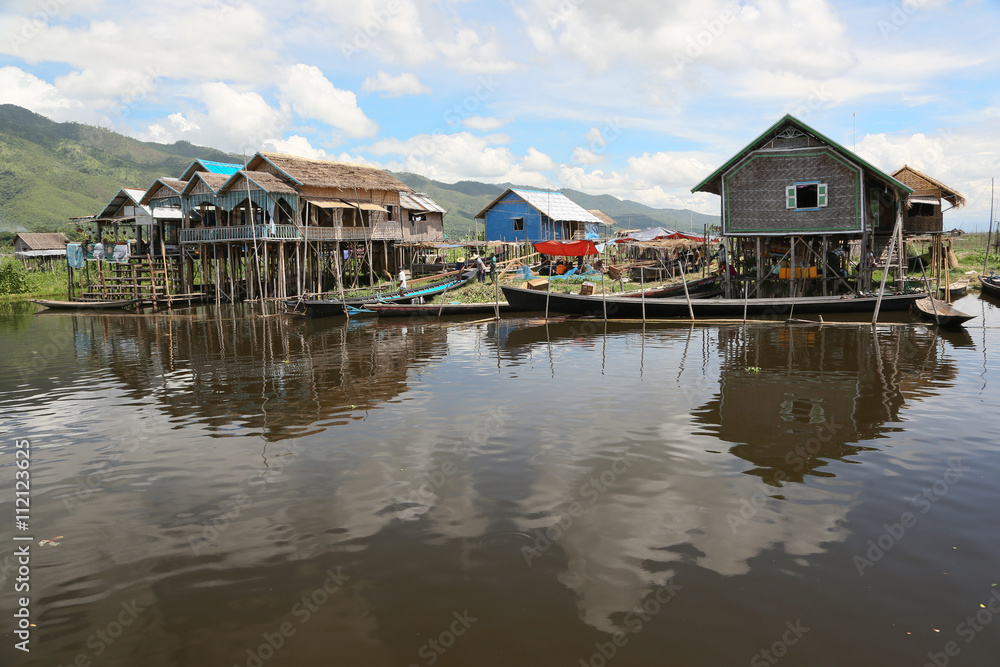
{"points": [[924, 223], [754, 200]]}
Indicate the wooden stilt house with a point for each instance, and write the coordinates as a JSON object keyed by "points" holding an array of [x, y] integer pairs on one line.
{"points": [[792, 201]]}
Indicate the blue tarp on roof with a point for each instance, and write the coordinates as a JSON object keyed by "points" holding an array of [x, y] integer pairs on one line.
{"points": [[221, 167]]}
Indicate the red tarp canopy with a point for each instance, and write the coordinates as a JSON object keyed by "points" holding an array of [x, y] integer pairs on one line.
{"points": [[568, 248]]}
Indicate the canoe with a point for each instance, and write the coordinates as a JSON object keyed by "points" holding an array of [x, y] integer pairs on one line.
{"points": [[696, 288], [631, 308], [940, 312], [990, 285], [87, 305], [313, 308], [432, 310], [956, 289]]}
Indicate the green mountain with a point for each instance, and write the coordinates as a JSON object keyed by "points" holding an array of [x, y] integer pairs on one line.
{"points": [[464, 199], [51, 172]]}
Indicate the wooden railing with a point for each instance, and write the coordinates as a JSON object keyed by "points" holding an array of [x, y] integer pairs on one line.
{"points": [[387, 231], [240, 233]]}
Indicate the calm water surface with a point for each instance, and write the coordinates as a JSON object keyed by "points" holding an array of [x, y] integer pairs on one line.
{"points": [[231, 490]]}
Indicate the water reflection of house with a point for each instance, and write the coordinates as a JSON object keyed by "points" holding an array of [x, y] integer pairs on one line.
{"points": [[217, 372], [784, 410]]}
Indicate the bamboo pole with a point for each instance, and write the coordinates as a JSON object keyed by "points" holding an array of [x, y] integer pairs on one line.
{"points": [[885, 272], [642, 292], [687, 294], [989, 234]]}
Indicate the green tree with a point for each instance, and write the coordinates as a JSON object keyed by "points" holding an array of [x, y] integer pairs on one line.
{"points": [[13, 277]]}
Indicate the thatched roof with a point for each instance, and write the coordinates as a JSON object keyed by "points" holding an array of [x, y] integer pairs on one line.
{"points": [[213, 181], [42, 241], [603, 217], [328, 174], [267, 182], [173, 186], [925, 186]]}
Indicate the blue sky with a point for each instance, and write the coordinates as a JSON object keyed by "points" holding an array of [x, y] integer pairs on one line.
{"points": [[640, 99]]}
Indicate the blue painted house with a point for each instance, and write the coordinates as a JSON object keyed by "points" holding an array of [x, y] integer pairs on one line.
{"points": [[538, 215]]}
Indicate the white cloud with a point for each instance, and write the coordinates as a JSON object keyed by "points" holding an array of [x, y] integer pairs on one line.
{"points": [[799, 36], [454, 157], [395, 86], [230, 120], [28, 91], [535, 160], [296, 145], [308, 92], [176, 44], [393, 32], [484, 123], [586, 156], [672, 169], [467, 52]]}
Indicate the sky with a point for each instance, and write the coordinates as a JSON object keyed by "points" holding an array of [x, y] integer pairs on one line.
{"points": [[640, 99]]}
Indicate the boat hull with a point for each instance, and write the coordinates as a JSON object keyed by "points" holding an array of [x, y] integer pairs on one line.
{"points": [[990, 286], [696, 288], [631, 308], [87, 305], [940, 312]]}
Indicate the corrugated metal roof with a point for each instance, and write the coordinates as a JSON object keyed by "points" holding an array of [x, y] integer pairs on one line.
{"points": [[557, 206], [124, 196], [419, 202], [41, 240]]}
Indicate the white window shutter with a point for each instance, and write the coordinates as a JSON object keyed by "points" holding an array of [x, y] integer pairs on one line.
{"points": [[790, 196], [821, 197]]}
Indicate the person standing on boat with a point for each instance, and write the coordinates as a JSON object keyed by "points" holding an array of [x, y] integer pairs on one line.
{"points": [[480, 268]]}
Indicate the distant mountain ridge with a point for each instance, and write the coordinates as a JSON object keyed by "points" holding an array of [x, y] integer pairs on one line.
{"points": [[51, 172]]}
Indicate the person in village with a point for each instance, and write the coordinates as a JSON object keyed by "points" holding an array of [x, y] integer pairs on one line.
{"points": [[721, 255], [480, 268], [835, 261], [493, 269], [402, 279]]}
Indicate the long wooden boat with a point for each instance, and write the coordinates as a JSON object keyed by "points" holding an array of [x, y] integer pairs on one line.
{"points": [[629, 308], [313, 308], [699, 287], [940, 312], [990, 285], [432, 310], [116, 304]]}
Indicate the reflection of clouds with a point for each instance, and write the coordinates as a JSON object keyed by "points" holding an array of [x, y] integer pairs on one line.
{"points": [[672, 505]]}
